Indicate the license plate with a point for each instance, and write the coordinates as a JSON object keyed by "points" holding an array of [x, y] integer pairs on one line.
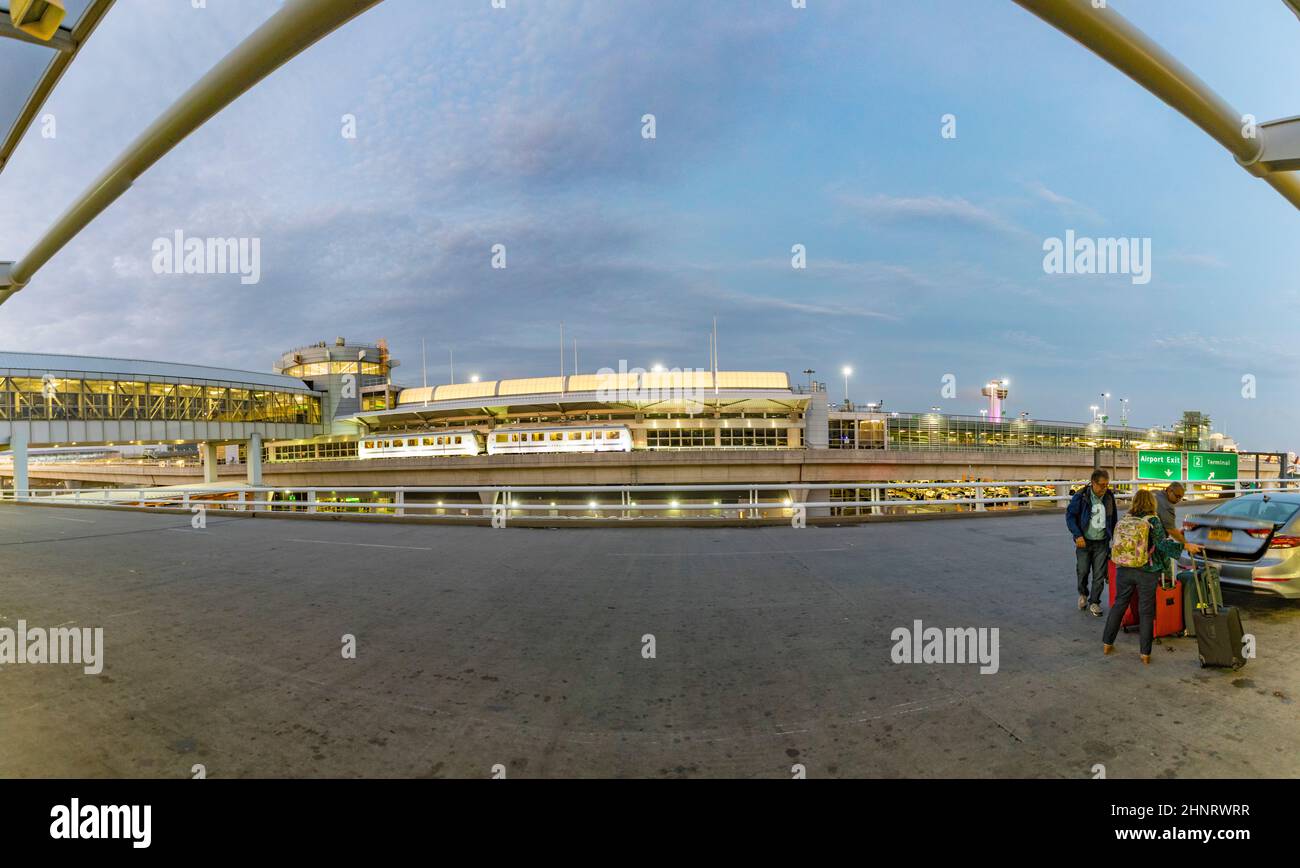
{"points": [[1220, 535]]}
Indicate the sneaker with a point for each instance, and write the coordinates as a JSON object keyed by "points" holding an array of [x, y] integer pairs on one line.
{"points": [[1095, 608], [1083, 602]]}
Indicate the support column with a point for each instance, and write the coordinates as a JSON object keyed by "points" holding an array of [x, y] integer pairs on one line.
{"points": [[209, 453], [255, 460], [18, 449], [818, 495], [1062, 491]]}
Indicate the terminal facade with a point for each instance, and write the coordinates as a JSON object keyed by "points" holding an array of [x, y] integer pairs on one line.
{"points": [[338, 401]]}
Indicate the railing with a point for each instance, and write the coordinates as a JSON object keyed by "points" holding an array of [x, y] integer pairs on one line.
{"points": [[768, 502]]}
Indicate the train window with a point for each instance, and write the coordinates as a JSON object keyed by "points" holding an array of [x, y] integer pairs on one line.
{"points": [[502, 438], [428, 441], [442, 441], [611, 435], [370, 444], [557, 435], [537, 436], [575, 435]]}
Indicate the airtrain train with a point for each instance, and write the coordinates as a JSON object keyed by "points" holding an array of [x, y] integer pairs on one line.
{"points": [[501, 441]]}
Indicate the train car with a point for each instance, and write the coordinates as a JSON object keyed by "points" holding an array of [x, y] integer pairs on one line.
{"points": [[419, 443], [589, 438]]}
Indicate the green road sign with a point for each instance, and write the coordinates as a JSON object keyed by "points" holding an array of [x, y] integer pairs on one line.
{"points": [[1209, 466], [1159, 464]]}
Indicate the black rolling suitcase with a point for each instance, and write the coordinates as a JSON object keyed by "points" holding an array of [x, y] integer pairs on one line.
{"points": [[1218, 627]]}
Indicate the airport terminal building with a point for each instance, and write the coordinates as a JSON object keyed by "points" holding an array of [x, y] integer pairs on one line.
{"points": [[338, 401]]}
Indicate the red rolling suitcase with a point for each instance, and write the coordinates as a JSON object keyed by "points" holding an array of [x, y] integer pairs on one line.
{"points": [[1169, 606]]}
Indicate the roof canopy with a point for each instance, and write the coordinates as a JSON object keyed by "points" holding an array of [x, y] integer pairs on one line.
{"points": [[31, 67]]}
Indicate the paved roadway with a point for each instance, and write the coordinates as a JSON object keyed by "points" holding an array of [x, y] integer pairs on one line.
{"points": [[523, 648]]}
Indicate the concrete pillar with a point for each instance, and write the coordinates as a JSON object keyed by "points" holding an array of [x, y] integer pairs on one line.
{"points": [[487, 498], [816, 421], [794, 438], [18, 449], [818, 495], [1062, 491], [255, 460], [208, 452]]}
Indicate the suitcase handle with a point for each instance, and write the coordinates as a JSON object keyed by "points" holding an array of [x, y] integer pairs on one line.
{"points": [[1196, 577]]}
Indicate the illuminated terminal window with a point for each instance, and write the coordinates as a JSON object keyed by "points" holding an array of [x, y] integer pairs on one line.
{"points": [[680, 438], [752, 438], [311, 370], [31, 399]]}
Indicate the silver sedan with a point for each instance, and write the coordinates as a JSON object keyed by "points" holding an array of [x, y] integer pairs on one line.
{"points": [[1254, 540]]}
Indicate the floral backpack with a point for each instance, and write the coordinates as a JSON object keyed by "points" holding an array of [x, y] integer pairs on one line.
{"points": [[1133, 541]]}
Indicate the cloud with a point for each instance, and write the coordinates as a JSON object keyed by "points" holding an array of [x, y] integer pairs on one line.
{"points": [[1064, 204], [951, 211]]}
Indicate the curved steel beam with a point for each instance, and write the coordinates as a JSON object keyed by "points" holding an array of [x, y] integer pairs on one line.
{"points": [[297, 26], [1111, 37]]}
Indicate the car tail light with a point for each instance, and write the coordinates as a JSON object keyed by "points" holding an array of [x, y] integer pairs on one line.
{"points": [[1258, 533], [1284, 542]]}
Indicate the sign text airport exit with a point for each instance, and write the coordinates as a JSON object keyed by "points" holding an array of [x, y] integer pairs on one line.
{"points": [[1159, 464]]}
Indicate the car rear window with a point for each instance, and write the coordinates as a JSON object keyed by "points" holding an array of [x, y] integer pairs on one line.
{"points": [[1249, 507]]}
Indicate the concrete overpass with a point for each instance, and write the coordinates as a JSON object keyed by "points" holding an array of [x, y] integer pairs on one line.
{"points": [[835, 467], [58, 400]]}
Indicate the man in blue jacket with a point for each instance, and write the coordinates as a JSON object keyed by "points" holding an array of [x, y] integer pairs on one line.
{"points": [[1091, 518]]}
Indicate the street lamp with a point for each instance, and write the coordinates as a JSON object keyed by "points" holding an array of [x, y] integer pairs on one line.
{"points": [[847, 372], [1094, 408]]}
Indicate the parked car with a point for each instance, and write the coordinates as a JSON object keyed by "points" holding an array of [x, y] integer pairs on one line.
{"points": [[1255, 541]]}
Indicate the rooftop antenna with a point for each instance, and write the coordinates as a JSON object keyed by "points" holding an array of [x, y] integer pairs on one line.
{"points": [[424, 364], [562, 357]]}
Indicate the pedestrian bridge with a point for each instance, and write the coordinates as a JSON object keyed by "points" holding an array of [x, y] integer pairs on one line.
{"points": [[59, 400]]}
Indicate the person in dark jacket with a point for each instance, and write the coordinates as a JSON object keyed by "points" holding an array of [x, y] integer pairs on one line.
{"points": [[1142, 580], [1091, 518]]}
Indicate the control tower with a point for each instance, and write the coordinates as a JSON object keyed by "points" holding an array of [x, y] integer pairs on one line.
{"points": [[996, 392], [353, 377]]}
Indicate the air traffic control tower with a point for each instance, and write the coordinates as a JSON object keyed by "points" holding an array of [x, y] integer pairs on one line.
{"points": [[352, 378]]}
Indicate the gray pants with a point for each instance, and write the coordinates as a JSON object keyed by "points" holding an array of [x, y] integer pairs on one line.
{"points": [[1092, 558]]}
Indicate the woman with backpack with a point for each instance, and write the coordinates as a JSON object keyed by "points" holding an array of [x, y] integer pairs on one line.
{"points": [[1141, 551]]}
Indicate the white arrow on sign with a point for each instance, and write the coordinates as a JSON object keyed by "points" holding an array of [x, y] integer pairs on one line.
{"points": [[1169, 473], [1211, 474]]}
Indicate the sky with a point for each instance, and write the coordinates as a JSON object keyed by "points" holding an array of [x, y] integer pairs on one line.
{"points": [[774, 127]]}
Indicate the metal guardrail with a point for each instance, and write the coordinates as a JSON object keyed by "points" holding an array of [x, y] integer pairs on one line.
{"points": [[578, 504]]}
